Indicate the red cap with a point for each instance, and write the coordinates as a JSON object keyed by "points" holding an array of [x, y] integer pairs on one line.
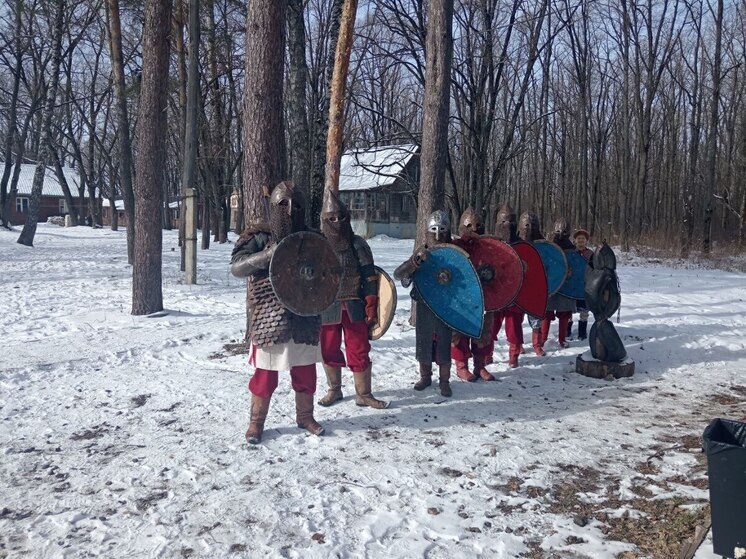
{"points": [[581, 232]]}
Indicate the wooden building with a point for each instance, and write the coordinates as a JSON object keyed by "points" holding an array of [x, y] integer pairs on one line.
{"points": [[52, 201], [378, 186]]}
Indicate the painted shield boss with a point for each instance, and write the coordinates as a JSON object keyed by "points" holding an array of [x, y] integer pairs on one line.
{"points": [[574, 286], [305, 273], [500, 269], [532, 297], [386, 305], [555, 264], [450, 287]]}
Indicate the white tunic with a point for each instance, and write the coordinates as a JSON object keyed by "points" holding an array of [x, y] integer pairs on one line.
{"points": [[282, 357]]}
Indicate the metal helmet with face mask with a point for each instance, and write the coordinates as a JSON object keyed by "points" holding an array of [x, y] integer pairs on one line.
{"points": [[286, 211], [470, 224], [438, 228], [529, 228], [335, 222], [505, 225], [562, 228]]}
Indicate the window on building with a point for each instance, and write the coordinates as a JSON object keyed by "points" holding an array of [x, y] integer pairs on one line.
{"points": [[378, 206], [63, 206], [22, 204], [403, 208], [355, 202]]}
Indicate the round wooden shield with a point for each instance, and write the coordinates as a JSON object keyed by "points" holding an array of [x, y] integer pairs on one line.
{"points": [[574, 286], [555, 264], [305, 273], [386, 305], [493, 257], [450, 287], [533, 296]]}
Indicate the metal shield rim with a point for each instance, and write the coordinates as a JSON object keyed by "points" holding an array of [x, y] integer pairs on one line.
{"points": [[544, 310], [377, 332], [287, 239], [520, 282], [481, 293], [546, 241]]}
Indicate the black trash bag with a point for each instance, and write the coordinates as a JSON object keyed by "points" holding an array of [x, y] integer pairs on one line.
{"points": [[724, 442], [606, 345]]}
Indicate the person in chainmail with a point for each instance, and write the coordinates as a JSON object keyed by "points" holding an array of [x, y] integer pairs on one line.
{"points": [[529, 230], [463, 347], [559, 306], [353, 312], [432, 335], [280, 339], [506, 229]]}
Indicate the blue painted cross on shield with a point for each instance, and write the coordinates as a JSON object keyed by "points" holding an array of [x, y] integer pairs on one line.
{"points": [[450, 287]]}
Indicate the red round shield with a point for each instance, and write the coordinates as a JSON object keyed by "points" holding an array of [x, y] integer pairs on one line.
{"points": [[533, 295], [499, 268]]}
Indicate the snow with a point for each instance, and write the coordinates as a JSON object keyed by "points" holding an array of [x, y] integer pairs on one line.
{"points": [[374, 167], [122, 436]]}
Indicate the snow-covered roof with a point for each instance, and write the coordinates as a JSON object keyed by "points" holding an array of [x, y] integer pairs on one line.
{"points": [[374, 167], [120, 204], [51, 185]]}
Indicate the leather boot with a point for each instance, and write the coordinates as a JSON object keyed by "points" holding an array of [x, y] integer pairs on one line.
{"points": [[463, 372], [536, 341], [445, 380], [479, 369], [513, 352], [582, 329], [363, 393], [259, 410], [426, 377], [304, 414], [569, 330], [563, 327], [334, 378]]}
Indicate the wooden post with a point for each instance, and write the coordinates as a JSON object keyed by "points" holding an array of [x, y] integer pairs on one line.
{"points": [[190, 236], [337, 97]]}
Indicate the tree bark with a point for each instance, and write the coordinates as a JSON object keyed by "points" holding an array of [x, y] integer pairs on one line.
{"points": [[337, 96], [438, 57], [123, 124], [29, 229], [263, 130], [147, 294]]}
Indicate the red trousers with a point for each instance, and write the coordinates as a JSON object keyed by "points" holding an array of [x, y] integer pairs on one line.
{"points": [[264, 381], [466, 347], [513, 317], [357, 345]]}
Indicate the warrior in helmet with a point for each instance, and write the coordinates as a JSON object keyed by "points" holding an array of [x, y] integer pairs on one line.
{"points": [[280, 339], [506, 229], [559, 306], [432, 335], [354, 311], [529, 230], [469, 229]]}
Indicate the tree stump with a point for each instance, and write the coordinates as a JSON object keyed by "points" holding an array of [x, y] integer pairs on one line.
{"points": [[586, 365]]}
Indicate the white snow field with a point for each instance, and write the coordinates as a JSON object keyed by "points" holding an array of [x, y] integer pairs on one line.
{"points": [[123, 436]]}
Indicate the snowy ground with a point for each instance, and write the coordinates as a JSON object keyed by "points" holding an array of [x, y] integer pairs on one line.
{"points": [[122, 436]]}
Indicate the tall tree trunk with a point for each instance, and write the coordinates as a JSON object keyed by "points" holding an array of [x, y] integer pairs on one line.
{"points": [[438, 57], [12, 114], [71, 209], [337, 96], [29, 229], [123, 124], [147, 294], [712, 140], [300, 146], [263, 131]]}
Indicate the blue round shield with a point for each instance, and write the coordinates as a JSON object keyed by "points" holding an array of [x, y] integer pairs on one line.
{"points": [[555, 264], [574, 286], [450, 287]]}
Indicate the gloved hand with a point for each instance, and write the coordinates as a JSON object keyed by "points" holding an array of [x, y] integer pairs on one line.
{"points": [[419, 256], [371, 310], [486, 273]]}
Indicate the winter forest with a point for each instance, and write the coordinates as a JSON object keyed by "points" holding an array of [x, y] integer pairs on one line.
{"points": [[627, 117]]}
